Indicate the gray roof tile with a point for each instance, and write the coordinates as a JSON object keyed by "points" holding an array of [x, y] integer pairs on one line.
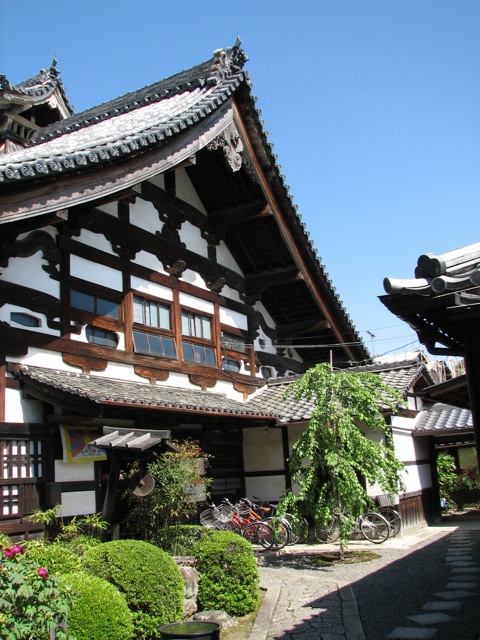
{"points": [[444, 418], [102, 390], [401, 375]]}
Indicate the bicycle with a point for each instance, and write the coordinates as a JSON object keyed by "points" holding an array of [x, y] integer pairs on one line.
{"points": [[298, 526], [386, 509], [242, 519], [281, 528], [372, 525]]}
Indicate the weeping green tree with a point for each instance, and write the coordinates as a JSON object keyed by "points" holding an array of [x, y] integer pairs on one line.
{"points": [[334, 456]]}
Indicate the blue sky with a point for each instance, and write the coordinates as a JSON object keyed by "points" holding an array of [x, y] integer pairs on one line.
{"points": [[372, 107]]}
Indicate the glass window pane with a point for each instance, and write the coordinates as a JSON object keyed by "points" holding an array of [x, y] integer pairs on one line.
{"points": [[188, 352], [153, 320], [82, 301], [141, 342], [185, 323], [156, 346], [210, 356], [169, 348], [164, 317], [206, 325], [107, 308], [138, 310]]}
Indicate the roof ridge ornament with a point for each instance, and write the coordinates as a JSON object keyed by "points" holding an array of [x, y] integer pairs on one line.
{"points": [[227, 62]]}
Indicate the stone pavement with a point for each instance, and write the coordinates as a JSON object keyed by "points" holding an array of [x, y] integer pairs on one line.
{"points": [[302, 605]]}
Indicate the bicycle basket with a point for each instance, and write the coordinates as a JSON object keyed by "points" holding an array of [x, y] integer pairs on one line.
{"points": [[384, 500], [207, 519]]}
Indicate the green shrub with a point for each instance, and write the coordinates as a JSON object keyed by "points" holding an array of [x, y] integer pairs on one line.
{"points": [[54, 557], [228, 574], [180, 540], [147, 575], [5, 541], [99, 610], [80, 543]]}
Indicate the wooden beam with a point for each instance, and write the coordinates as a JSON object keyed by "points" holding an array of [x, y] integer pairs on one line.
{"points": [[275, 278], [307, 327]]}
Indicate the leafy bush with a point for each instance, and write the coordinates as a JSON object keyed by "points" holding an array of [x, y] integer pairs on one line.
{"points": [[228, 573], [31, 601], [54, 557], [457, 486], [180, 482], [185, 541], [79, 544], [5, 541], [99, 610], [147, 575]]}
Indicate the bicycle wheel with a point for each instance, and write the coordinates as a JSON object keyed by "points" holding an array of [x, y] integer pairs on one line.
{"points": [[260, 535], [327, 533], [394, 520], [233, 527], [281, 532], [374, 527], [299, 529]]}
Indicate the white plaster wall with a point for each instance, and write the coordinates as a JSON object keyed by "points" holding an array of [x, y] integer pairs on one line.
{"points": [[268, 488], [225, 258], [233, 319], [110, 207], [151, 288], [192, 277], [82, 337], [77, 503], [7, 309], [196, 303], [144, 215], [74, 471], [28, 272], [185, 191], [158, 181], [18, 409], [94, 272], [262, 451], [149, 261], [192, 237], [96, 240]]}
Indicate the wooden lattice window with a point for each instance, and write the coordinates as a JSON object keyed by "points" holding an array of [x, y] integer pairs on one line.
{"points": [[21, 464]]}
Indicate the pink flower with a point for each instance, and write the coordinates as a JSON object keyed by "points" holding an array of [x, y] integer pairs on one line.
{"points": [[17, 548], [42, 572]]}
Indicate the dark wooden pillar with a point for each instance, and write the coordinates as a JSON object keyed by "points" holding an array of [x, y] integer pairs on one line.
{"points": [[112, 488], [471, 338]]}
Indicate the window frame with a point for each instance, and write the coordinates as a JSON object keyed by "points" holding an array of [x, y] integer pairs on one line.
{"points": [[196, 342], [151, 330]]}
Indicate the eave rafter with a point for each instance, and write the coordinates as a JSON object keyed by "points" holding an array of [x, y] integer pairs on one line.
{"points": [[227, 218], [307, 327], [259, 282]]}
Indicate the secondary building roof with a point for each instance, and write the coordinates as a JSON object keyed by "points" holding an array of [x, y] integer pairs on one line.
{"points": [[445, 290]]}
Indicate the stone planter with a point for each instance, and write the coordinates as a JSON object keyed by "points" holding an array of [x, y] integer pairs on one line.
{"points": [[190, 629]]}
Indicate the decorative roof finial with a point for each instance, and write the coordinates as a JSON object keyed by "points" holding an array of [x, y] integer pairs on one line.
{"points": [[226, 62]]}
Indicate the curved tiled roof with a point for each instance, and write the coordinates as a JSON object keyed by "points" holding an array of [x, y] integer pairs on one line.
{"points": [[126, 126], [443, 419], [439, 273], [103, 390], [141, 122], [401, 376], [35, 89]]}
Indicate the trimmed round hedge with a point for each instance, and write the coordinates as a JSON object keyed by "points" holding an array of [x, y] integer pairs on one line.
{"points": [[228, 573], [99, 610], [149, 578]]}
